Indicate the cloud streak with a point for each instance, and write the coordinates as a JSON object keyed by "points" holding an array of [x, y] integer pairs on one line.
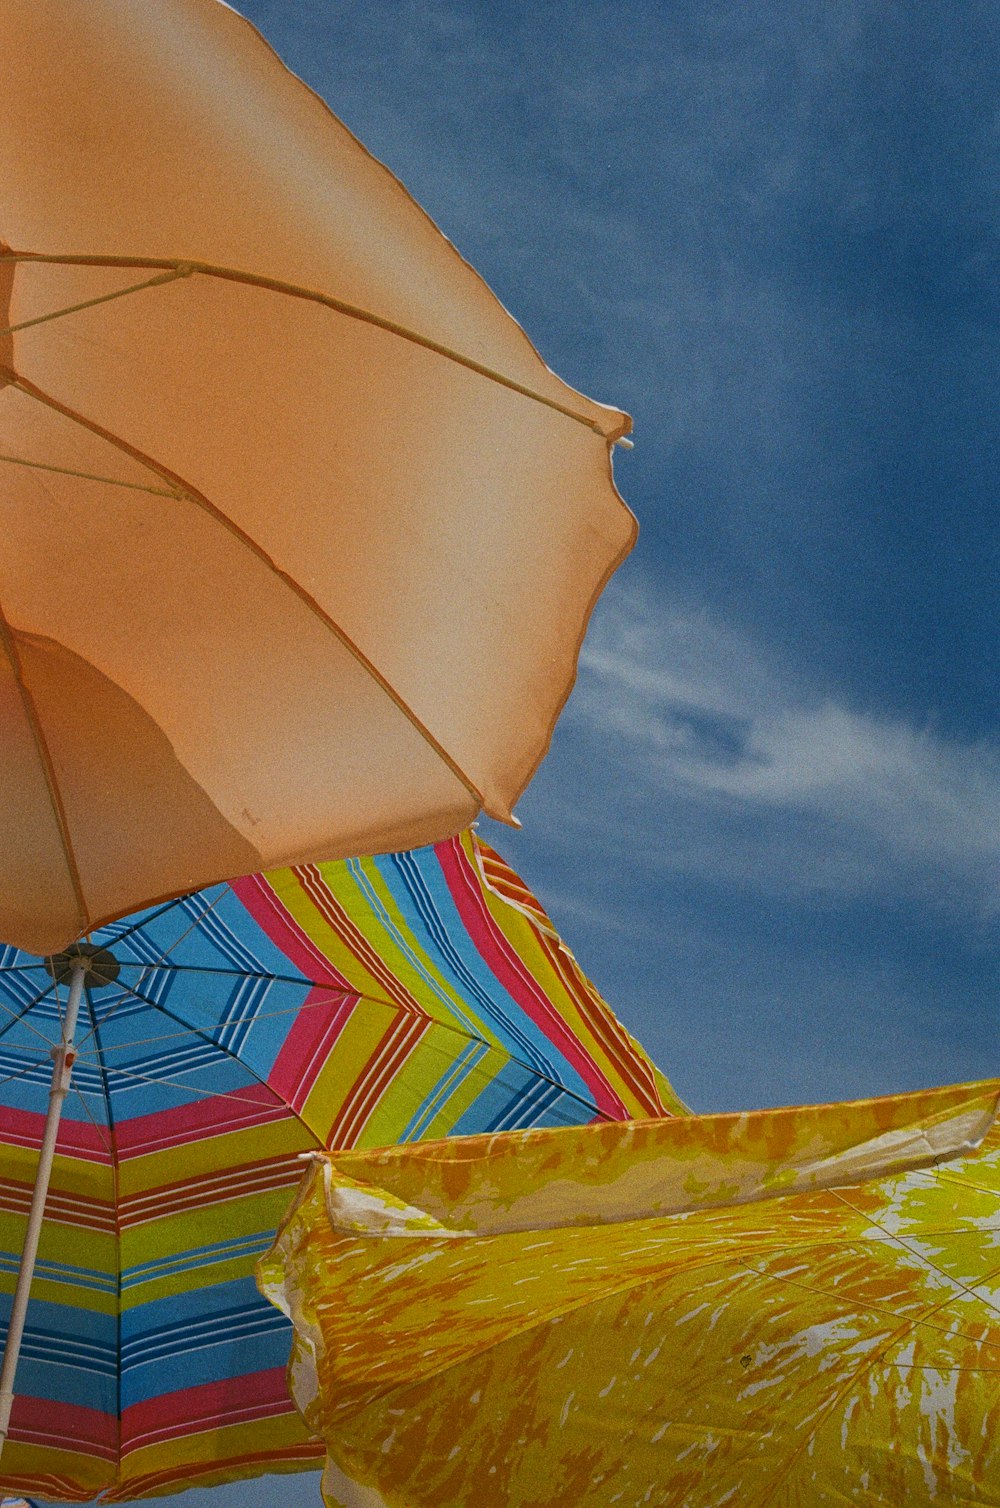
{"points": [[758, 777]]}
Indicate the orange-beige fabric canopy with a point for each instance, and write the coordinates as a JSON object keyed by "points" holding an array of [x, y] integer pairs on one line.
{"points": [[300, 533], [783, 1309]]}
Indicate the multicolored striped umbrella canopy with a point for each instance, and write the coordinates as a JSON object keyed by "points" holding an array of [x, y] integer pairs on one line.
{"points": [[350, 1004]]}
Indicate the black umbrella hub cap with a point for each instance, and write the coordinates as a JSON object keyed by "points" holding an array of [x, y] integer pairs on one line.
{"points": [[100, 964]]}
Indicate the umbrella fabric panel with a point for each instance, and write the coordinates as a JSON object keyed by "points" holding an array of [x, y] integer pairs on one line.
{"points": [[167, 1344], [352, 1004], [437, 1085], [241, 165], [58, 1344], [276, 347], [416, 425], [141, 1058], [442, 931], [833, 1344], [176, 1369], [66, 1433]]}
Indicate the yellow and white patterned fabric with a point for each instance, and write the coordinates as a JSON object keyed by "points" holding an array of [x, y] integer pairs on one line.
{"points": [[793, 1307]]}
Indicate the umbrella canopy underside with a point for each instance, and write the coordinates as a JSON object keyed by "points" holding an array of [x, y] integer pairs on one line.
{"points": [[301, 535], [360, 1003], [609, 1317]]}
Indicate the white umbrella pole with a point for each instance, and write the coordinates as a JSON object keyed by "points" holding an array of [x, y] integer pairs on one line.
{"points": [[63, 1057]]}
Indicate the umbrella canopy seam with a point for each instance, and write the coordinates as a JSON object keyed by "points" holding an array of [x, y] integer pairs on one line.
{"points": [[95, 1027]]}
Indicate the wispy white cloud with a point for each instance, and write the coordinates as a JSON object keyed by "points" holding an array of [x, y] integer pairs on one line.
{"points": [[745, 771]]}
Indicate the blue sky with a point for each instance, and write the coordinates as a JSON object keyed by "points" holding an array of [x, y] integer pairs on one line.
{"points": [[770, 822]]}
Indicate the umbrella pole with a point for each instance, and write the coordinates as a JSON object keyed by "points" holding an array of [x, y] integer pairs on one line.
{"points": [[63, 1058]]}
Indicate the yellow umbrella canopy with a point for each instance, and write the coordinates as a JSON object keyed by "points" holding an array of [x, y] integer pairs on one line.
{"points": [[300, 533], [782, 1309]]}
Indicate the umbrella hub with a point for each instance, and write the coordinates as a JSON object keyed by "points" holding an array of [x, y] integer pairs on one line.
{"points": [[100, 964]]}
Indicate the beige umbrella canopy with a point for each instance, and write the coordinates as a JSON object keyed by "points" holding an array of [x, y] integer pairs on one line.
{"points": [[300, 533]]}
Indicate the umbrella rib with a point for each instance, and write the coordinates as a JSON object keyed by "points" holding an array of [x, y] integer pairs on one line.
{"points": [[853, 1303], [11, 1078], [144, 920], [158, 962], [186, 492], [292, 1010], [189, 1030], [81, 1096], [206, 1036], [962, 1183], [859, 1371], [956, 1283], [182, 268], [207, 1094], [95, 1028], [170, 905], [45, 759], [89, 476], [162, 960], [155, 1005], [165, 965], [699, 1264], [21, 1015]]}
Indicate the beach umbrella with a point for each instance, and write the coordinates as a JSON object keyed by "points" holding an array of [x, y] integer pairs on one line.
{"points": [[347, 1004], [300, 532], [780, 1309]]}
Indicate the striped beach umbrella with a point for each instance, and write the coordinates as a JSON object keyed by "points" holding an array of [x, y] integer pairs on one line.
{"points": [[350, 1004]]}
